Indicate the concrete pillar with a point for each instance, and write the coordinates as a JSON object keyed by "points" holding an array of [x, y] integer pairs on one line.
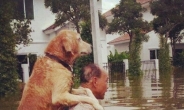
{"points": [[157, 68], [25, 69], [126, 64], [156, 64], [127, 82], [95, 32]]}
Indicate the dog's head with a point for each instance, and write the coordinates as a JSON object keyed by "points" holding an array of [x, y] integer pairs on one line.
{"points": [[68, 46]]}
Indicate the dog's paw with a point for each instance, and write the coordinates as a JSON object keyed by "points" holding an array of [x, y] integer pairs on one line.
{"points": [[98, 107]]}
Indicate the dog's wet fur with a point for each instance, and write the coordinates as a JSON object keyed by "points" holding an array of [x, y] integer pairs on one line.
{"points": [[50, 82]]}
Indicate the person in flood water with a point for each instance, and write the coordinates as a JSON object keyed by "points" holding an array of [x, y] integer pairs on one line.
{"points": [[96, 79]]}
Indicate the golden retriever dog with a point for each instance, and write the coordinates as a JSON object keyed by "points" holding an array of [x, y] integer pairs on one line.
{"points": [[50, 83]]}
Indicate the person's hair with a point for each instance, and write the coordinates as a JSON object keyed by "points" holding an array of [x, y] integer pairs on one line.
{"points": [[89, 71]]}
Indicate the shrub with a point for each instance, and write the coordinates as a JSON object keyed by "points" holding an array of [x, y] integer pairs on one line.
{"points": [[117, 56]]}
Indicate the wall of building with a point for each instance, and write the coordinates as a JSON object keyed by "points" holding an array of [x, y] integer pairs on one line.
{"points": [[122, 47], [147, 14], [153, 43], [110, 37], [103, 44], [43, 18]]}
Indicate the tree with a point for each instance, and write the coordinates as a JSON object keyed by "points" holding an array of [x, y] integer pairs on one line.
{"points": [[117, 56], [128, 18], [73, 11], [134, 59], [84, 60], [164, 59], [169, 20], [12, 32], [87, 37]]}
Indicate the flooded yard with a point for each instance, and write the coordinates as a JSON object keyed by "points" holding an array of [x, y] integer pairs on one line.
{"points": [[151, 91]]}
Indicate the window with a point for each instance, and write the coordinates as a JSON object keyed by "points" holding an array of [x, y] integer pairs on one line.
{"points": [[25, 9], [154, 54]]}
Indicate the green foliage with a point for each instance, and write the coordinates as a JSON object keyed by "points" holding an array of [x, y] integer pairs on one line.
{"points": [[102, 21], [169, 19], [32, 60], [74, 11], [10, 35], [84, 60], [164, 58], [135, 82], [179, 60], [165, 80], [117, 56], [117, 67], [21, 29], [127, 18], [134, 59]]}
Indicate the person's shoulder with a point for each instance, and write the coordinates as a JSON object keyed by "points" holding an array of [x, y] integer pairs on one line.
{"points": [[82, 106]]}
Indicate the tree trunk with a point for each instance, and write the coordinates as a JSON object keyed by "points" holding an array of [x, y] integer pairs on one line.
{"points": [[131, 38], [77, 25]]}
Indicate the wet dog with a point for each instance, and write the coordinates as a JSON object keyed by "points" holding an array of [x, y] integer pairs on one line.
{"points": [[51, 79]]}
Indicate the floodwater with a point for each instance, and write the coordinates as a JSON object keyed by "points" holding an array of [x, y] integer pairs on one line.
{"points": [[151, 91]]}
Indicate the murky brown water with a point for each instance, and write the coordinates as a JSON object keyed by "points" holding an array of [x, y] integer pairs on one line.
{"points": [[151, 91]]}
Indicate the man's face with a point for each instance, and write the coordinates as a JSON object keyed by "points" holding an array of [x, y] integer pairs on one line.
{"points": [[102, 85]]}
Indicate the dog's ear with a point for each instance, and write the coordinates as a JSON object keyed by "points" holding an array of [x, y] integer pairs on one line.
{"points": [[67, 46]]}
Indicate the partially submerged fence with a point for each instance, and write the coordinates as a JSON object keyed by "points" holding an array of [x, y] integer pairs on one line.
{"points": [[116, 70], [115, 67], [149, 64]]}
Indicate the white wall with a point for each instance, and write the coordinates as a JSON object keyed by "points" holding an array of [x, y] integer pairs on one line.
{"points": [[34, 48], [103, 44], [99, 3], [122, 47], [110, 37], [153, 43], [43, 18], [147, 14]]}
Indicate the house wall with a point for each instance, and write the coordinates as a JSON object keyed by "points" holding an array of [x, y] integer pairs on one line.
{"points": [[147, 14], [110, 37], [103, 44], [153, 43], [43, 18], [122, 47]]}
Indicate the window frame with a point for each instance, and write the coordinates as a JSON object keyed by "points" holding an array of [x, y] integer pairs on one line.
{"points": [[155, 51], [25, 9]]}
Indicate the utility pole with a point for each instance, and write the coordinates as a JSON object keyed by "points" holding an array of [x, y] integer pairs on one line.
{"points": [[95, 32]]}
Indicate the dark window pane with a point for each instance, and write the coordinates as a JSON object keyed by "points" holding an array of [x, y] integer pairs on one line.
{"points": [[157, 54], [29, 9], [22, 59], [19, 9], [152, 54]]}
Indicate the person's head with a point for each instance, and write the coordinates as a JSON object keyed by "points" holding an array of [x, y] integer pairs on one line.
{"points": [[96, 79]]}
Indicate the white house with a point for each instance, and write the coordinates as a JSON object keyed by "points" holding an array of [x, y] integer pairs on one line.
{"points": [[40, 19], [121, 42], [44, 30]]}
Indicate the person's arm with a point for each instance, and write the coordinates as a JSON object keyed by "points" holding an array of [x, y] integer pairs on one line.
{"points": [[82, 106]]}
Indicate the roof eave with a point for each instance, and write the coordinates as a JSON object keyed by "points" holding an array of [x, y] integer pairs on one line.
{"points": [[119, 42], [50, 31]]}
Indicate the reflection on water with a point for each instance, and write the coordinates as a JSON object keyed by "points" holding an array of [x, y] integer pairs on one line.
{"points": [[151, 91]]}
